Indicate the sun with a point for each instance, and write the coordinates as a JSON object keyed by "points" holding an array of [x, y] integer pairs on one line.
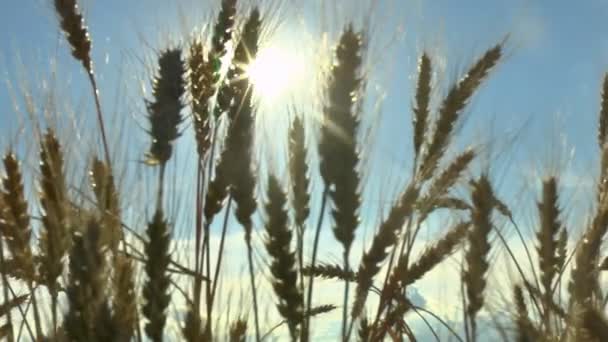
{"points": [[275, 72]]}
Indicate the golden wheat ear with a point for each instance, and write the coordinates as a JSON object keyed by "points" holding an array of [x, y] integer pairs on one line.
{"points": [[15, 219], [476, 256], [108, 203], [76, 32], [87, 300], [124, 300]]}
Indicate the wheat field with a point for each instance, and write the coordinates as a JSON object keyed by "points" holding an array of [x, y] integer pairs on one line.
{"points": [[98, 247]]}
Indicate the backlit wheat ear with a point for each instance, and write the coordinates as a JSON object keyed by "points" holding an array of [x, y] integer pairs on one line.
{"points": [[201, 90], [338, 144], [239, 143], [283, 265], [452, 106], [76, 33], [55, 235], [238, 331], [550, 225], [124, 300], [526, 332], [431, 257], [474, 275], [222, 31], [446, 179], [86, 287], [385, 238], [421, 107], [156, 287], [102, 182], [300, 185], [15, 220], [232, 91], [338, 151], [329, 271], [298, 171], [164, 110], [584, 273]]}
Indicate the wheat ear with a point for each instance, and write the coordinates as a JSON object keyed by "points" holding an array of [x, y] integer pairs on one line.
{"points": [[526, 332], [479, 248], [124, 300], [431, 257], [282, 267], [385, 238], [156, 288], [329, 271], [452, 106], [15, 226], [300, 185], [55, 236], [339, 157], [86, 288], [550, 225], [164, 110], [76, 32], [421, 107], [108, 202], [601, 137], [239, 142]]}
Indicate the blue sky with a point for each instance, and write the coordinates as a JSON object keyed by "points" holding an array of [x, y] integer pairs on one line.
{"points": [[539, 104]]}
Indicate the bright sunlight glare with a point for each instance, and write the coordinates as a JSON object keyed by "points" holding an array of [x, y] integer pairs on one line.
{"points": [[275, 72]]}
